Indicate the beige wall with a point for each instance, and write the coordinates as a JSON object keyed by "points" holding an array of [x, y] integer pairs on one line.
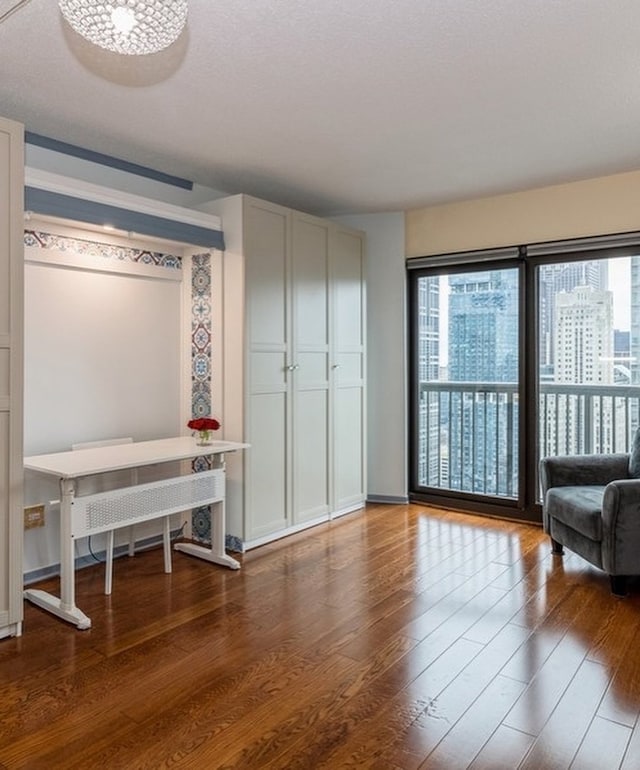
{"points": [[593, 207]]}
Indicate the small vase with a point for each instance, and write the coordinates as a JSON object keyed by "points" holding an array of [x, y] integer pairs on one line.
{"points": [[204, 438]]}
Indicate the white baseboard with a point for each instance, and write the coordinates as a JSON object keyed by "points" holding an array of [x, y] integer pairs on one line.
{"points": [[249, 544]]}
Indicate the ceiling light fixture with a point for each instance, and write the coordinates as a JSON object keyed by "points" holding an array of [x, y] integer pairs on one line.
{"points": [[133, 27]]}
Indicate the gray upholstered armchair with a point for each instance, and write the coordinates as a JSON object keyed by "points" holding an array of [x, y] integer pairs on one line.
{"points": [[591, 505]]}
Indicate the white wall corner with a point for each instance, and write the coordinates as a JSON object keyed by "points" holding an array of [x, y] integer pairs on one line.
{"points": [[387, 459]]}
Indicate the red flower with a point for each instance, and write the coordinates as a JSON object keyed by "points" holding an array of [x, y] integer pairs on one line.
{"points": [[203, 423]]}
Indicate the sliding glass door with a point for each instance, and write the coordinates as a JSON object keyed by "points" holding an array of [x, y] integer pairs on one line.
{"points": [[517, 355], [465, 382], [588, 363]]}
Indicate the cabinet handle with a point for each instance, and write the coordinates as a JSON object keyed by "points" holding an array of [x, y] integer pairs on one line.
{"points": [[293, 367], [336, 366]]}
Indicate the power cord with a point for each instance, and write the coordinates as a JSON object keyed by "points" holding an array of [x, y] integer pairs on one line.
{"points": [[102, 561]]}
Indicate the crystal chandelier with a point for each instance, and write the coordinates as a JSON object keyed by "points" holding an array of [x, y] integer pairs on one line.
{"points": [[127, 26]]}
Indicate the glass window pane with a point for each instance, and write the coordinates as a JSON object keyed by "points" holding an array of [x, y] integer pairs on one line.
{"points": [[467, 331], [589, 322]]}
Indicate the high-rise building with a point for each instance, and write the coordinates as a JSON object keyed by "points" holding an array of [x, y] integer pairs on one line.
{"points": [[584, 356], [483, 351], [584, 336], [483, 326], [428, 371], [554, 279], [428, 328]]}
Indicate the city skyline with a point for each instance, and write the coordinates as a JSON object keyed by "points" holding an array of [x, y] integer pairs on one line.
{"points": [[588, 319], [618, 282]]}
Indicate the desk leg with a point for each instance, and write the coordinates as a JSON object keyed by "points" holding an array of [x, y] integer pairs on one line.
{"points": [[216, 553], [65, 606]]}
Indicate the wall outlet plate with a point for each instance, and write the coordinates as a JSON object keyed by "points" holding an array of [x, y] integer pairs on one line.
{"points": [[34, 516]]}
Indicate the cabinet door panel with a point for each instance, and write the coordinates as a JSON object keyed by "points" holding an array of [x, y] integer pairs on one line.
{"points": [[349, 454], [268, 371], [310, 461], [266, 276], [267, 464], [349, 368], [5, 230], [348, 385], [312, 369], [348, 279], [4, 373], [310, 384], [310, 282]]}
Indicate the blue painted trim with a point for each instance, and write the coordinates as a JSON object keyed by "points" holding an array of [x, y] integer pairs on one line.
{"points": [[67, 207], [105, 160]]}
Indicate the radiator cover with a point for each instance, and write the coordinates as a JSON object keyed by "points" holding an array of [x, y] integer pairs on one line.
{"points": [[101, 512]]}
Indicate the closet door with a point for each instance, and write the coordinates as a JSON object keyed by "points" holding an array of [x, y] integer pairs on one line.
{"points": [[309, 376], [348, 369], [268, 405], [11, 378]]}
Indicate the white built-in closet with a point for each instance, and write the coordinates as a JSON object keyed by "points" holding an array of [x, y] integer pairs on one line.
{"points": [[294, 367], [11, 218]]}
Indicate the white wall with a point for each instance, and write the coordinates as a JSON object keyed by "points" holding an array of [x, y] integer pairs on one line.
{"points": [[103, 359], [386, 354]]}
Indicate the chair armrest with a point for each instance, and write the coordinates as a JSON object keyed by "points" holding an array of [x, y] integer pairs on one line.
{"points": [[621, 527], [582, 470]]}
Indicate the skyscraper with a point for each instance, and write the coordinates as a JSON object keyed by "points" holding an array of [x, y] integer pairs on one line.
{"points": [[584, 336], [553, 279], [483, 351], [483, 326], [428, 371], [584, 356]]}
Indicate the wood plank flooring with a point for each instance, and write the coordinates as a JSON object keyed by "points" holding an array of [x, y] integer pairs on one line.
{"points": [[396, 638]]}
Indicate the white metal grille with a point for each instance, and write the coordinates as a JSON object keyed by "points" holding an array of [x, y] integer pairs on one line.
{"points": [[120, 507]]}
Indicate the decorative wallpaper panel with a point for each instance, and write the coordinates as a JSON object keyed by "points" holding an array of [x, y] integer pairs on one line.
{"points": [[201, 358], [43, 240], [201, 372]]}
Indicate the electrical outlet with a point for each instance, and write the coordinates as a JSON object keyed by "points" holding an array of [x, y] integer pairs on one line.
{"points": [[34, 516]]}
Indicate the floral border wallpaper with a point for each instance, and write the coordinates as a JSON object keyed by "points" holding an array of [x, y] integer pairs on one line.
{"points": [[201, 372], [201, 362], [44, 240]]}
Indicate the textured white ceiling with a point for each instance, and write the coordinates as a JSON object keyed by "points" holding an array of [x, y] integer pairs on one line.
{"points": [[347, 105]]}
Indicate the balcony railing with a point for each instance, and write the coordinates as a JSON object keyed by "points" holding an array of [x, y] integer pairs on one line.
{"points": [[468, 431]]}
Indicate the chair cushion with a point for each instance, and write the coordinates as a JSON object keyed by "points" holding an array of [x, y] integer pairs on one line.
{"points": [[578, 507], [634, 457]]}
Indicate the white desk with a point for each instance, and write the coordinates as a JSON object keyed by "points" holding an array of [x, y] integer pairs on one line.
{"points": [[90, 514]]}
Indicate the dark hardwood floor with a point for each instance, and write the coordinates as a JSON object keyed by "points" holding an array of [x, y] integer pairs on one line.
{"points": [[396, 637]]}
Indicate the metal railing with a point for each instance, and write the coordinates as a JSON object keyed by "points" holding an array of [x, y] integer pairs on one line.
{"points": [[468, 431]]}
